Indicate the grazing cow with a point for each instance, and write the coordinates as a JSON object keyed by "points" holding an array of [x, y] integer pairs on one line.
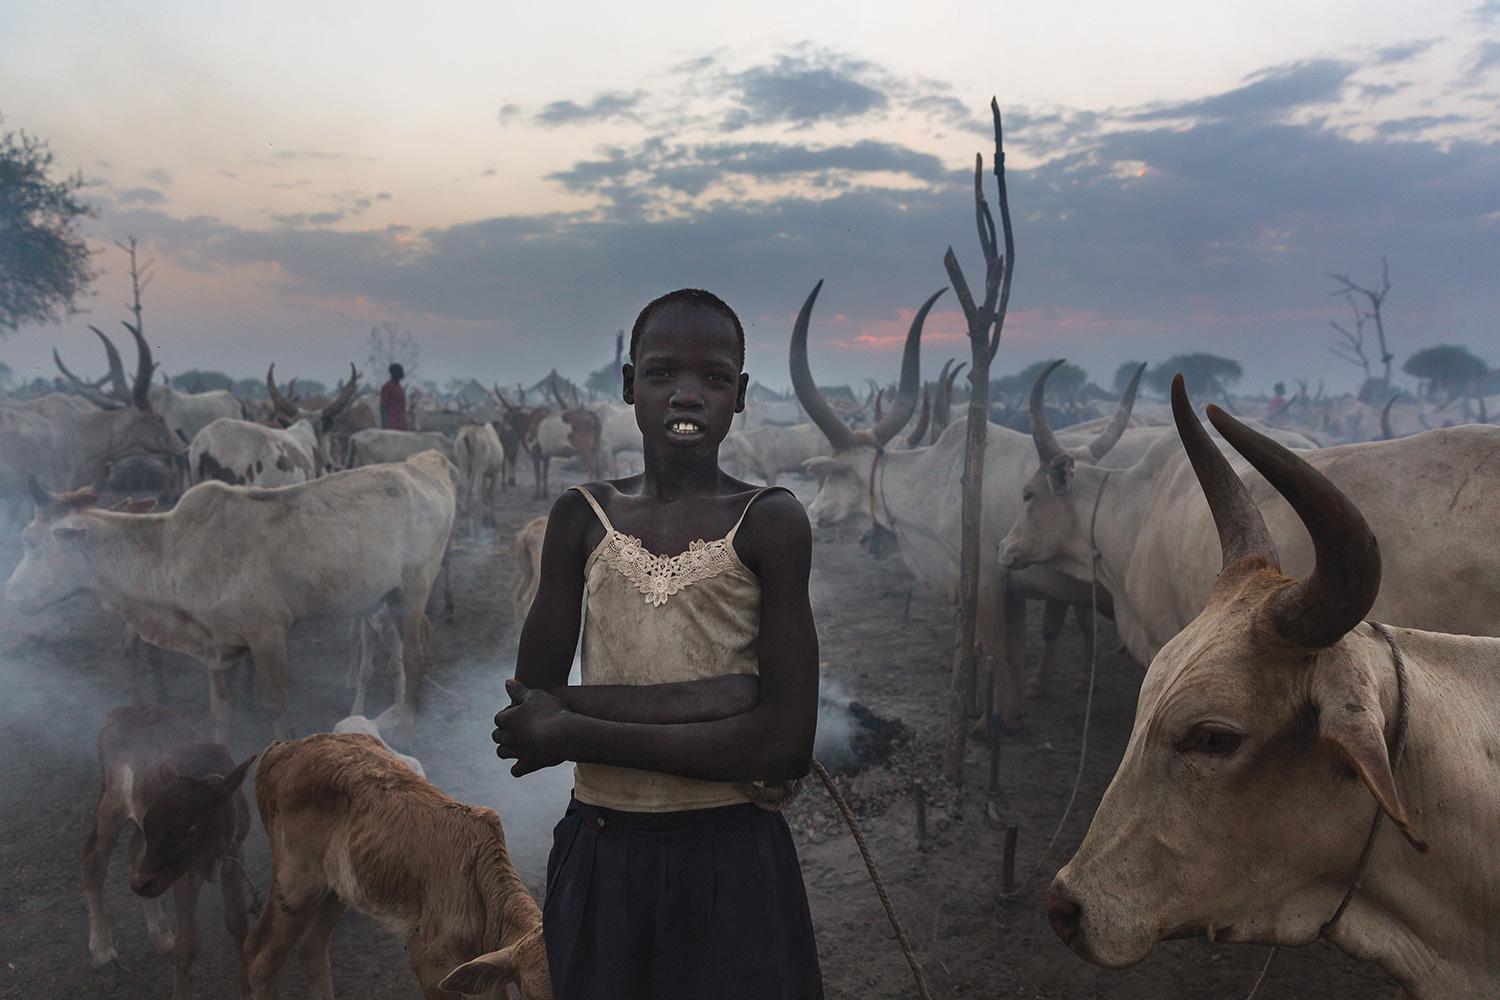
{"points": [[1149, 516], [67, 444], [528, 555], [375, 445], [1274, 734], [182, 794], [230, 569], [351, 827], [481, 461]]}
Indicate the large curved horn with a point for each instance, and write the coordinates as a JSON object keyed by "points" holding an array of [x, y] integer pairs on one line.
{"points": [[88, 390], [283, 406], [343, 399], [1047, 447], [140, 392], [818, 410], [914, 439], [1110, 436], [940, 398], [1319, 611], [117, 383], [1385, 415], [905, 403], [1242, 531]]}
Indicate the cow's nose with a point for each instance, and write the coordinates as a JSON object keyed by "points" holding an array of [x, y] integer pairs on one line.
{"points": [[1063, 914]]}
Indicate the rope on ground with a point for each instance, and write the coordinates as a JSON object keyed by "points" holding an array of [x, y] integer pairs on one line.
{"points": [[885, 897], [1088, 703], [255, 900], [1265, 973]]}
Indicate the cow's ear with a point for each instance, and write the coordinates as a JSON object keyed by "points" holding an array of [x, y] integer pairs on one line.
{"points": [[230, 783], [818, 468], [1351, 725], [485, 973], [1060, 474]]}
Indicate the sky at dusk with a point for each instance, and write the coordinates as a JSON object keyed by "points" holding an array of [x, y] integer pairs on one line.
{"points": [[511, 184]]}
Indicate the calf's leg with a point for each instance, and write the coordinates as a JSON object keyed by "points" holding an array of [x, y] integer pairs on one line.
{"points": [[189, 936], [312, 949], [109, 819]]}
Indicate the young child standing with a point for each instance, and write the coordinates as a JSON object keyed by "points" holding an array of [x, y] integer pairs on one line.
{"points": [[700, 677]]}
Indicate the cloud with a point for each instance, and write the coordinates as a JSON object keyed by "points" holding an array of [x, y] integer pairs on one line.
{"points": [[509, 113], [158, 176], [608, 106], [226, 172], [318, 154], [1268, 94], [1420, 123], [140, 196], [1486, 57], [803, 88], [1403, 51], [1376, 91], [1487, 12]]}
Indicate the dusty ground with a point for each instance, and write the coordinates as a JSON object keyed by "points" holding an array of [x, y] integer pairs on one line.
{"points": [[61, 672]]}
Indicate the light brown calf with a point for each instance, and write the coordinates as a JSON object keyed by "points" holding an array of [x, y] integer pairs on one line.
{"points": [[350, 826], [182, 794]]}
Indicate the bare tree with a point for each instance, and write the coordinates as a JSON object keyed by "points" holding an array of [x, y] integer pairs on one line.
{"points": [[985, 321], [389, 344], [1376, 300], [1351, 345]]}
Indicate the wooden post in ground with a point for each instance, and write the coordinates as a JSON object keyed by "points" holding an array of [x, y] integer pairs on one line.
{"points": [[985, 321]]}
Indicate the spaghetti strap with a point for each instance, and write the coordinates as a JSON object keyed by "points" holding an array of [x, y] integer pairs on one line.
{"points": [[758, 493], [604, 518]]}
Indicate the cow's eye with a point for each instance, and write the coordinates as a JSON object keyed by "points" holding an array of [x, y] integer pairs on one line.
{"points": [[1213, 741], [1027, 496]]}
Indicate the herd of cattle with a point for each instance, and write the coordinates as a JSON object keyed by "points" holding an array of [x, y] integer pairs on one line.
{"points": [[1273, 726]]}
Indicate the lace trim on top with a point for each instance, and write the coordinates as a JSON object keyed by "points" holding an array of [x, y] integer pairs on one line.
{"points": [[659, 577]]}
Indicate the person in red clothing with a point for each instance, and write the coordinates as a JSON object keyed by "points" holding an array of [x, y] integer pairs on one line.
{"points": [[393, 401]]}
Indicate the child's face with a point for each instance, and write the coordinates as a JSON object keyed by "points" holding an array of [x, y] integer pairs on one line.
{"points": [[685, 384]]}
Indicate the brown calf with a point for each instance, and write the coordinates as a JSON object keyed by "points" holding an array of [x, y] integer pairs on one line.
{"points": [[182, 794], [350, 826]]}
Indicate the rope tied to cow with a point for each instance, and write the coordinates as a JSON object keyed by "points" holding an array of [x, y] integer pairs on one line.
{"points": [[1395, 749], [874, 870], [255, 898], [1088, 702], [776, 796]]}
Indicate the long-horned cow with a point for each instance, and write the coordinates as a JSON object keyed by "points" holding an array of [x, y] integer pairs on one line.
{"points": [[245, 453], [182, 794], [915, 495], [67, 445], [1153, 542], [1274, 735], [573, 431], [351, 827], [230, 569]]}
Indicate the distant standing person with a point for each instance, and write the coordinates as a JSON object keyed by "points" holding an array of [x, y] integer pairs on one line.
{"points": [[393, 401]]}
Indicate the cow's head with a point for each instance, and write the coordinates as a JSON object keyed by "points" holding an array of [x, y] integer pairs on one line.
{"points": [[1053, 527], [55, 548], [136, 427], [523, 964], [323, 420], [191, 823], [844, 477], [1259, 751]]}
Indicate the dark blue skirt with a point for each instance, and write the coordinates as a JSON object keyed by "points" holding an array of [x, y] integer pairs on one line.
{"points": [[707, 903]]}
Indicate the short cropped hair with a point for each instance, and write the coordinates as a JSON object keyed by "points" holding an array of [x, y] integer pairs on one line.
{"points": [[697, 297]]}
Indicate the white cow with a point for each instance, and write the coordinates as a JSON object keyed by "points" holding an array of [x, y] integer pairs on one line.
{"points": [[375, 445], [230, 569], [1273, 735], [481, 464]]}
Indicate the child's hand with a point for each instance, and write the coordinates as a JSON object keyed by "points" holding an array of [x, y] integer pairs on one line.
{"points": [[530, 730]]}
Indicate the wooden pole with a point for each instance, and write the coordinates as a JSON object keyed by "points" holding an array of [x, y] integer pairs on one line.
{"points": [[985, 322], [1008, 862]]}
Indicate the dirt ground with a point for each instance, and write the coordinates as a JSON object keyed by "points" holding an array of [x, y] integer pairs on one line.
{"points": [[885, 648]]}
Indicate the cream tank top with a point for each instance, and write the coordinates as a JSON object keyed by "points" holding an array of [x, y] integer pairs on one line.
{"points": [[652, 619]]}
